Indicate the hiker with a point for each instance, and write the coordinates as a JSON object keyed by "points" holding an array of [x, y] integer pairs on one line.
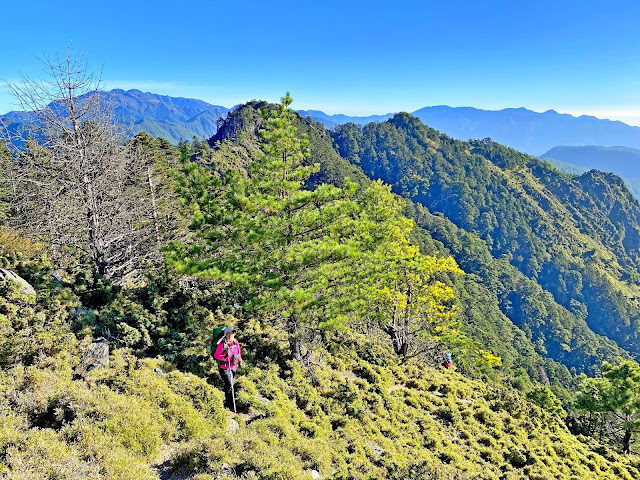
{"points": [[447, 361], [228, 355]]}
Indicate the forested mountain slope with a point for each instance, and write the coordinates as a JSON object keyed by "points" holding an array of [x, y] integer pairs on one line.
{"points": [[576, 236], [509, 312]]}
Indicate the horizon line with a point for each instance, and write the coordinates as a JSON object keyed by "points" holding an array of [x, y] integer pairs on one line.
{"points": [[627, 117]]}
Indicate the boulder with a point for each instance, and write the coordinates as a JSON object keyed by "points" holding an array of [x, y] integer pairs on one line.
{"points": [[95, 356], [232, 426], [262, 399], [316, 475], [25, 287], [375, 449]]}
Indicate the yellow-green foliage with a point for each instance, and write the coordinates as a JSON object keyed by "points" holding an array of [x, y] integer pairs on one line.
{"points": [[13, 245], [355, 413], [110, 426], [345, 418], [349, 419], [33, 331]]}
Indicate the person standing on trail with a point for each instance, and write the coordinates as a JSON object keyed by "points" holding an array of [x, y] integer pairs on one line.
{"points": [[229, 357], [447, 362]]}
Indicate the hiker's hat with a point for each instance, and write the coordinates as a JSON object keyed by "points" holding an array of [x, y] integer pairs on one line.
{"points": [[229, 330]]}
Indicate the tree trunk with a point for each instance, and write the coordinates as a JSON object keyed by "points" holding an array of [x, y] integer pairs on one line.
{"points": [[391, 330], [154, 208], [626, 442]]}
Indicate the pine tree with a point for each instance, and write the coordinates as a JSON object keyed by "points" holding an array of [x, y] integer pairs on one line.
{"points": [[407, 294], [313, 260], [614, 399], [268, 235]]}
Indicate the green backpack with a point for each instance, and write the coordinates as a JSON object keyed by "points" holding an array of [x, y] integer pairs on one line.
{"points": [[215, 339], [217, 334]]}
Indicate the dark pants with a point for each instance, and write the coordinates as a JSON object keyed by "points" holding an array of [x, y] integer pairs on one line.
{"points": [[228, 377]]}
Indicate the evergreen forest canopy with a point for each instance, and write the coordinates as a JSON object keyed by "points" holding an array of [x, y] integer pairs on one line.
{"points": [[348, 261]]}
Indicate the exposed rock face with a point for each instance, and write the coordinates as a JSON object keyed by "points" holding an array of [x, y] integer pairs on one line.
{"points": [[25, 287], [96, 356]]}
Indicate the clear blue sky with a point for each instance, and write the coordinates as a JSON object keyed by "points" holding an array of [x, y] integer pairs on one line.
{"points": [[353, 57]]}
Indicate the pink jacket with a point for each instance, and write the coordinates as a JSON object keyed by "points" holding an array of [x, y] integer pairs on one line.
{"points": [[225, 351]]}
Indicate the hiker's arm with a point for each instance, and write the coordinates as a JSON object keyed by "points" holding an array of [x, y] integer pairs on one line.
{"points": [[219, 354]]}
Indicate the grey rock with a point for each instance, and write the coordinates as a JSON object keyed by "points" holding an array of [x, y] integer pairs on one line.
{"points": [[375, 449], [233, 426], [25, 287], [316, 475], [263, 399], [95, 356]]}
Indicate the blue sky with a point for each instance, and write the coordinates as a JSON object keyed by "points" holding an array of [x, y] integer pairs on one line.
{"points": [[352, 57]]}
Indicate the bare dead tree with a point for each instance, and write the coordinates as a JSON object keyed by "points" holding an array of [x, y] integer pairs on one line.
{"points": [[76, 185]]}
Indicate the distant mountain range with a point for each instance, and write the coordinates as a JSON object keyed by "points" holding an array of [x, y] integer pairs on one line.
{"points": [[528, 131], [177, 118], [331, 121], [625, 161], [173, 118], [525, 130]]}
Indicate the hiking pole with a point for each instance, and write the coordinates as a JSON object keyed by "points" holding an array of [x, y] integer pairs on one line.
{"points": [[233, 393], [231, 376]]}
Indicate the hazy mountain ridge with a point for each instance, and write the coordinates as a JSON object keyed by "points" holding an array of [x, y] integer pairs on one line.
{"points": [[528, 131], [331, 121], [173, 118], [522, 129], [624, 161]]}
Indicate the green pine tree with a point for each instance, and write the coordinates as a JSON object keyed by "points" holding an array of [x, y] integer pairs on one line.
{"points": [[269, 236]]}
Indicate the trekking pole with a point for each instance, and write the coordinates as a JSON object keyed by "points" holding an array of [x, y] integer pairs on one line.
{"points": [[233, 393]]}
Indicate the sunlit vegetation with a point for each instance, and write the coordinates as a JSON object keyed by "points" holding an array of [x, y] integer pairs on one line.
{"points": [[345, 296]]}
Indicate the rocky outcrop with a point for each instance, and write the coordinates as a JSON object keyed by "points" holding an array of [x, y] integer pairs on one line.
{"points": [[25, 287]]}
